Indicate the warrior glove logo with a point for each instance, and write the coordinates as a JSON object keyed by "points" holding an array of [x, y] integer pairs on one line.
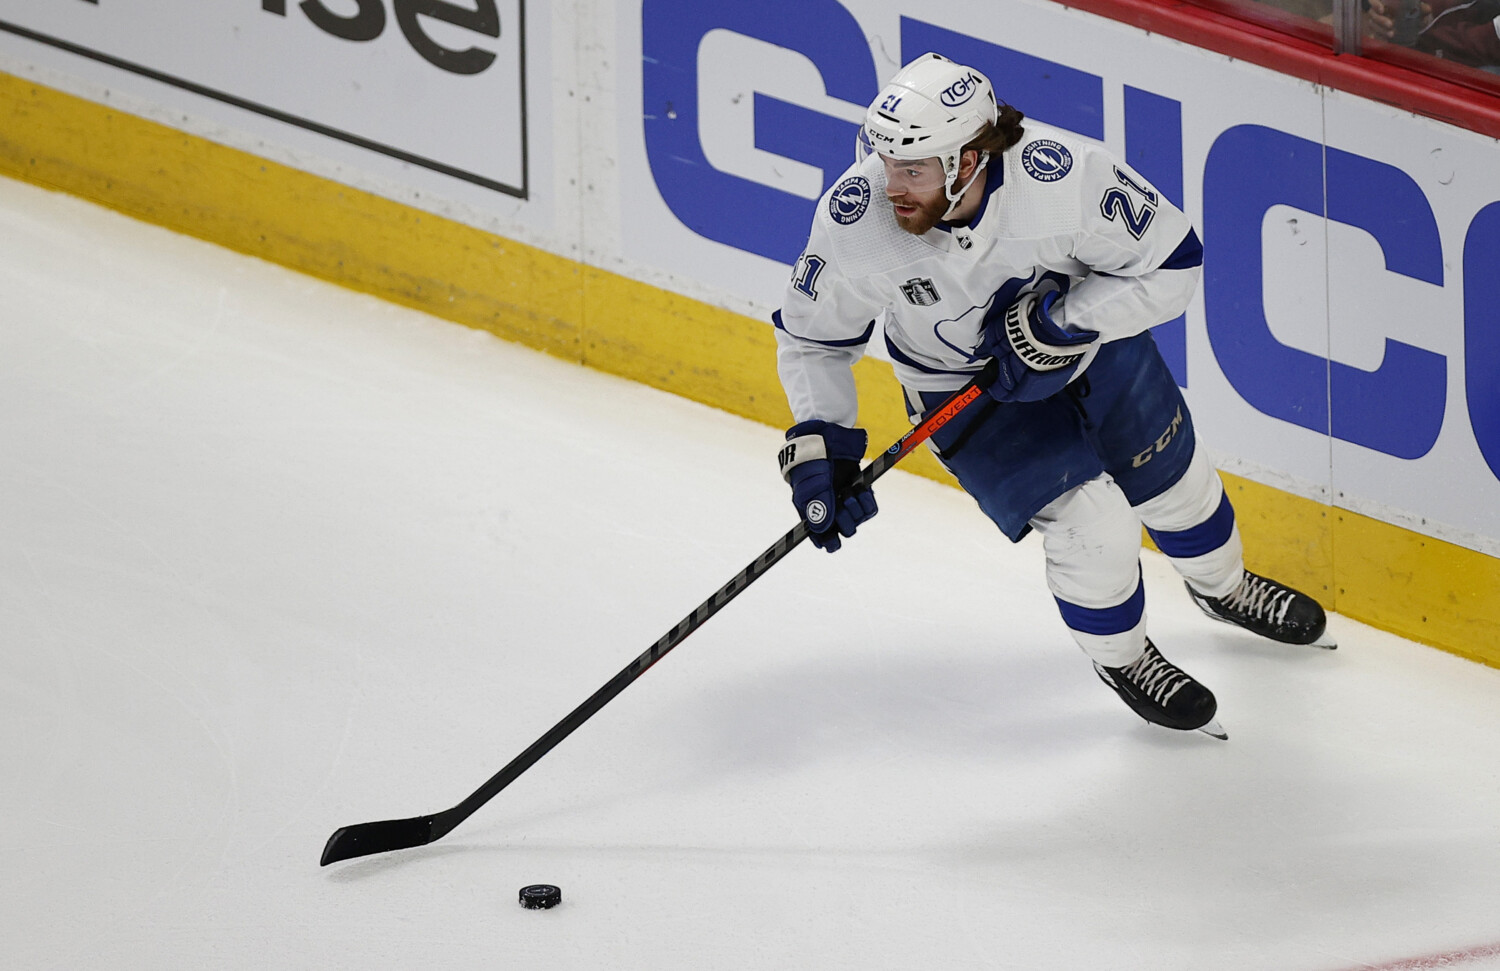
{"points": [[849, 200], [1046, 160], [1033, 351], [816, 513]]}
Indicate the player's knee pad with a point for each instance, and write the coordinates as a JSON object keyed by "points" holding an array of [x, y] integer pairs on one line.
{"points": [[1092, 540], [1191, 500]]}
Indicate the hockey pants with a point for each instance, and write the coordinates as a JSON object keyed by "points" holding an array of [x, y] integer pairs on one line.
{"points": [[1122, 432]]}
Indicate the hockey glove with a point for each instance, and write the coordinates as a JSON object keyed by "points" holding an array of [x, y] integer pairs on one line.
{"points": [[819, 461], [1036, 357]]}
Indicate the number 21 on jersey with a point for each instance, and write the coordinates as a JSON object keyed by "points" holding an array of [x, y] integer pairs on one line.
{"points": [[1117, 204], [805, 274]]}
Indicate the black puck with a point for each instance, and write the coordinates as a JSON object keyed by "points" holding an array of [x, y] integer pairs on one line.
{"points": [[540, 896]]}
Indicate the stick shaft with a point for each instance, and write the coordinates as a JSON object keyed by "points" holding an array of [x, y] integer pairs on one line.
{"points": [[367, 838]]}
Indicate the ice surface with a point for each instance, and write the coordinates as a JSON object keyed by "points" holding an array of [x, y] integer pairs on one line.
{"points": [[276, 558]]}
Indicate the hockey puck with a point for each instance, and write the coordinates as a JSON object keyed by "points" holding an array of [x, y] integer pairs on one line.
{"points": [[540, 896]]}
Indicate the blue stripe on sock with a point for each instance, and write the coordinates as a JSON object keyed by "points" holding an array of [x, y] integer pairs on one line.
{"points": [[1197, 540], [1105, 620]]}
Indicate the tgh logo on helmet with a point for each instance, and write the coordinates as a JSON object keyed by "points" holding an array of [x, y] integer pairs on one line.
{"points": [[958, 92]]}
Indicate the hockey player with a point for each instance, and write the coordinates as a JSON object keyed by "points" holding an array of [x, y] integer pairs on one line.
{"points": [[969, 238]]}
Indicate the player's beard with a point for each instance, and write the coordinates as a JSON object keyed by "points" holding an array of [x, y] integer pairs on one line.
{"points": [[926, 216]]}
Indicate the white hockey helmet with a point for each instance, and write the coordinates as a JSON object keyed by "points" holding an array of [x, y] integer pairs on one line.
{"points": [[933, 107]]}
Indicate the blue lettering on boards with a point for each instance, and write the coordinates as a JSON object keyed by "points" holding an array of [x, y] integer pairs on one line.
{"points": [[1396, 409], [736, 211]]}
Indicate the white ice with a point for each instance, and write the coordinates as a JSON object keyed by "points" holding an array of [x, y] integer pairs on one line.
{"points": [[276, 558]]}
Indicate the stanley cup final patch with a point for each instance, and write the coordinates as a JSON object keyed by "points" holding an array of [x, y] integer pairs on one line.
{"points": [[849, 200], [1046, 160], [920, 292]]}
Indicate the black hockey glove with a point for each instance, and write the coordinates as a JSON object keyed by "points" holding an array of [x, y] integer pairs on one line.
{"points": [[1036, 357], [819, 461]]}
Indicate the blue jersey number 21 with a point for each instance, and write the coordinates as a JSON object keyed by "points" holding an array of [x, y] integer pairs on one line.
{"points": [[1118, 204], [806, 278]]}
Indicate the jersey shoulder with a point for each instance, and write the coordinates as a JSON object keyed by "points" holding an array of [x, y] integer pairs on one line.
{"points": [[857, 226], [1047, 175]]}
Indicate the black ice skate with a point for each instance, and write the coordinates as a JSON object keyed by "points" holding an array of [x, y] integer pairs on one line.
{"points": [[1163, 694], [1269, 609]]}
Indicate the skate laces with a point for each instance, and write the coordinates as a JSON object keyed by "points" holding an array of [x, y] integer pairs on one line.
{"points": [[1153, 674], [1259, 597]]}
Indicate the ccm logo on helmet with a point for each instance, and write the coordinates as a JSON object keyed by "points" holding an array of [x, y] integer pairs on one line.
{"points": [[958, 92]]}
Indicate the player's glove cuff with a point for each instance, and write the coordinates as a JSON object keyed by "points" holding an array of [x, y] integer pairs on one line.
{"points": [[1037, 340], [815, 440], [1035, 356]]}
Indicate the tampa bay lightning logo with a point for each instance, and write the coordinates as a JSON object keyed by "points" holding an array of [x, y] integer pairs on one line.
{"points": [[849, 200], [1046, 160]]}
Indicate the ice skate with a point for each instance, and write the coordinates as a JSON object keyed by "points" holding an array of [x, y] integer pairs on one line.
{"points": [[1163, 694], [1270, 609]]}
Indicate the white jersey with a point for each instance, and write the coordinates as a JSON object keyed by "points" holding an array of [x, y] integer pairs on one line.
{"points": [[1053, 202]]}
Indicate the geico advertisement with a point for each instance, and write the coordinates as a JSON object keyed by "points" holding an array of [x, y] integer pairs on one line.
{"points": [[1345, 342], [429, 84]]}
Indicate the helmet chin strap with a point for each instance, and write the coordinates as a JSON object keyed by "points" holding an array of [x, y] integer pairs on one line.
{"points": [[954, 198]]}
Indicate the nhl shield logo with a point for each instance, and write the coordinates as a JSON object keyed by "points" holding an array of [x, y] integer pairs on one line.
{"points": [[920, 292]]}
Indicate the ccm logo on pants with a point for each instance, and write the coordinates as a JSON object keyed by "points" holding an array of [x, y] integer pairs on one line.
{"points": [[1161, 444]]}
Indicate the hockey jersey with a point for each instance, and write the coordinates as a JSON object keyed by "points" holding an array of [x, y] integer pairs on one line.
{"points": [[1055, 207]]}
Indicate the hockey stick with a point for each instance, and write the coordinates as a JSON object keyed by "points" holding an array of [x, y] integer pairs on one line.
{"points": [[364, 839]]}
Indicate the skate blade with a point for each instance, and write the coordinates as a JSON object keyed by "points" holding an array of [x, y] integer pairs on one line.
{"points": [[1215, 729], [1325, 641]]}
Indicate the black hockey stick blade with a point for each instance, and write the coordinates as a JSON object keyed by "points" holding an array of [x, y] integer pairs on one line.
{"points": [[364, 839]]}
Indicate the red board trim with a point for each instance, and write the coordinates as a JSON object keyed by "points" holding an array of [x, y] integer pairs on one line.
{"points": [[1417, 91]]}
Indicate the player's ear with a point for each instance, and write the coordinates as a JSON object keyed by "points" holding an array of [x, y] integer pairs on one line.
{"points": [[968, 160]]}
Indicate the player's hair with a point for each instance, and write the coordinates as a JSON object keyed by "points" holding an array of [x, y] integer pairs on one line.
{"points": [[996, 138]]}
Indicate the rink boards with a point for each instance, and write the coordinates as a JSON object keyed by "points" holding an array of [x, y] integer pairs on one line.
{"points": [[627, 189]]}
